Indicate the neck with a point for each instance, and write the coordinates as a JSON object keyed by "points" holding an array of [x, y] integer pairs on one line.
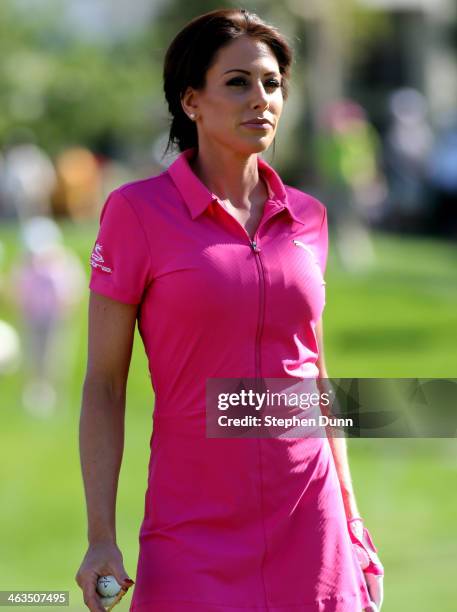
{"points": [[238, 183]]}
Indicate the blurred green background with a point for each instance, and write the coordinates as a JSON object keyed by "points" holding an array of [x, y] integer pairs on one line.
{"points": [[406, 488], [88, 74]]}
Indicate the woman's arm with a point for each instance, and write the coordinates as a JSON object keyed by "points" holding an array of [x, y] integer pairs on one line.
{"points": [[101, 435], [374, 573], [338, 445]]}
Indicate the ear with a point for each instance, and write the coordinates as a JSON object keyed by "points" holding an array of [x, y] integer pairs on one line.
{"points": [[189, 101]]}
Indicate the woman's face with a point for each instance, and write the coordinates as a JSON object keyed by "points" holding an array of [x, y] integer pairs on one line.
{"points": [[243, 83]]}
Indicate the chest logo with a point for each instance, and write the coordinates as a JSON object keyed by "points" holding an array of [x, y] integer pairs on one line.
{"points": [[302, 245]]}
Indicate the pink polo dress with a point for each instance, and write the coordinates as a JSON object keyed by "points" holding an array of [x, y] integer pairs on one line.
{"points": [[230, 524]]}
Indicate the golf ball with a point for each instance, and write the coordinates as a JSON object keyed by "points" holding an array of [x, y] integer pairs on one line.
{"points": [[108, 586], [107, 601]]}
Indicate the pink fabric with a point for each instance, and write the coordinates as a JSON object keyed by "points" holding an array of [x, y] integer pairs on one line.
{"points": [[229, 524]]}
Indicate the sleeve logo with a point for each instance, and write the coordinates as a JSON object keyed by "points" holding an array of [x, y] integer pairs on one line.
{"points": [[97, 260]]}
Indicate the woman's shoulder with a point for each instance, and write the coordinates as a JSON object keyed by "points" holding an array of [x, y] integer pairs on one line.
{"points": [[305, 203], [147, 198], [144, 187]]}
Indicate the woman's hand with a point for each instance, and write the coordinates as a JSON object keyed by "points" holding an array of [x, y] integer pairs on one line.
{"points": [[369, 561], [101, 559]]}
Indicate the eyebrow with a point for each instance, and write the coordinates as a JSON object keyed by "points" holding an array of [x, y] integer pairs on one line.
{"points": [[247, 71]]}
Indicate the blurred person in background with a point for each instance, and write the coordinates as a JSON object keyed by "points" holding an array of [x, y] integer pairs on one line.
{"points": [[5, 212], [407, 146], [27, 178], [442, 178], [47, 285], [79, 184], [10, 348], [352, 184]]}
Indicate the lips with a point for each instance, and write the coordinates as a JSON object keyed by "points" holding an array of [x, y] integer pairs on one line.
{"points": [[258, 122]]}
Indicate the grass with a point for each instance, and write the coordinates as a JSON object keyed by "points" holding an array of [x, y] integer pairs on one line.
{"points": [[397, 319]]}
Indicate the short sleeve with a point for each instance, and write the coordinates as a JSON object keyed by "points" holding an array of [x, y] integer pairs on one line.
{"points": [[322, 242], [120, 258]]}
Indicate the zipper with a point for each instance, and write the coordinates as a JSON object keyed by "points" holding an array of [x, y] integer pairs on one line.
{"points": [[261, 317], [255, 247], [258, 385]]}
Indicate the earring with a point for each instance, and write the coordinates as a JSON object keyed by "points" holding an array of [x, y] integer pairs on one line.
{"points": [[192, 116]]}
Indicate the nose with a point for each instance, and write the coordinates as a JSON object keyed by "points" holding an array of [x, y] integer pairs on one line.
{"points": [[259, 96]]}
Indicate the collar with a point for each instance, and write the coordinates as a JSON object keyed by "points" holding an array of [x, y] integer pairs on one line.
{"points": [[198, 197]]}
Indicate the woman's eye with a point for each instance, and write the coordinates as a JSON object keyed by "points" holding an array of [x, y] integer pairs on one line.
{"points": [[240, 81], [237, 81]]}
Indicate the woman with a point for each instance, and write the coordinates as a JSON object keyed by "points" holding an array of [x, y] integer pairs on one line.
{"points": [[204, 256]]}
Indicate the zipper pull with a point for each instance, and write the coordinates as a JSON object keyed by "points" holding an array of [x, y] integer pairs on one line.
{"points": [[255, 248]]}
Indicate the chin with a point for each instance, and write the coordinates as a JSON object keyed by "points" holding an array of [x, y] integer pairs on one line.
{"points": [[257, 145]]}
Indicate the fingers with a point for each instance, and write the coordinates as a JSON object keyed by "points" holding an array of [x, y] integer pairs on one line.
{"points": [[124, 581], [101, 559], [115, 567], [88, 583], [92, 601], [87, 580], [121, 576]]}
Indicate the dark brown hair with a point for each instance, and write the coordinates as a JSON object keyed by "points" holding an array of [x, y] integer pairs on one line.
{"points": [[192, 52]]}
